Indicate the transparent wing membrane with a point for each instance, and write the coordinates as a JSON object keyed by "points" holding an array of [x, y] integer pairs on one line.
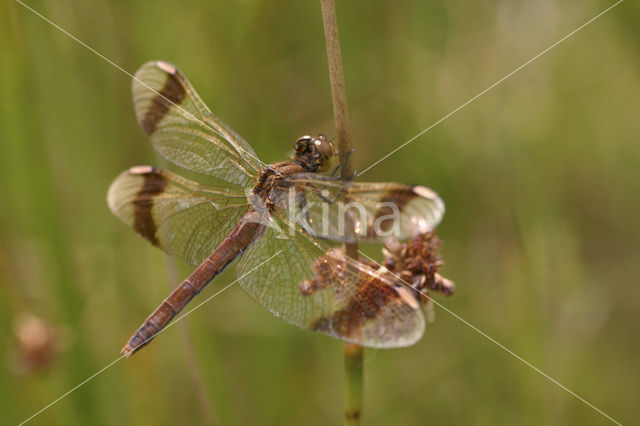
{"points": [[316, 287], [183, 129], [182, 217], [378, 210]]}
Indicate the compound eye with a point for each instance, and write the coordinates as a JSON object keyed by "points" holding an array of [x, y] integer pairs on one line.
{"points": [[302, 143], [324, 147]]}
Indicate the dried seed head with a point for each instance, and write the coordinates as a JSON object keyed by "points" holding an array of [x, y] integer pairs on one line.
{"points": [[417, 263], [36, 344]]}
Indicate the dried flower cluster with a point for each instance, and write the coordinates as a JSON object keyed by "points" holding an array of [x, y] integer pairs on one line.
{"points": [[416, 262], [36, 344]]}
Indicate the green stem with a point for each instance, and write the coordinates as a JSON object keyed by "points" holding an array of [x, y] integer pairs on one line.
{"points": [[353, 361], [353, 354]]}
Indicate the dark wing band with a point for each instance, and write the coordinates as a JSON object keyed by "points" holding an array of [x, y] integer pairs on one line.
{"points": [[180, 216]]}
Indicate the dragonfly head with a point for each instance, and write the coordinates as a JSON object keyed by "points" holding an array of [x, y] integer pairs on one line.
{"points": [[315, 153]]}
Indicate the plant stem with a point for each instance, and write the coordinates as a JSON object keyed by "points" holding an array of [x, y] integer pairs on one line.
{"points": [[353, 360], [338, 93], [353, 354]]}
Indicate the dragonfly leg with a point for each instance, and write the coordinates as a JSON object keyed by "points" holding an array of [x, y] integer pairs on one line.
{"points": [[342, 168], [344, 164]]}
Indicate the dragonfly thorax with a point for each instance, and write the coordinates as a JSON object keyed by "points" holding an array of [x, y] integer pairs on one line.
{"points": [[271, 180], [313, 153]]}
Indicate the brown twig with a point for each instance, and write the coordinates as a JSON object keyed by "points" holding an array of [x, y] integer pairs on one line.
{"points": [[353, 353], [338, 93]]}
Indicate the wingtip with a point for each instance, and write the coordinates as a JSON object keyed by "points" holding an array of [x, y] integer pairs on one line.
{"points": [[428, 193], [167, 67], [141, 170], [424, 192]]}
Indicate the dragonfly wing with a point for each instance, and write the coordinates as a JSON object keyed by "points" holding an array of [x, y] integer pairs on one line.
{"points": [[316, 287], [182, 217], [183, 129], [379, 210]]}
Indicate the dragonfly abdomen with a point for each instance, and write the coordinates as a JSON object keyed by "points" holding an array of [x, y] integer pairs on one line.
{"points": [[248, 230]]}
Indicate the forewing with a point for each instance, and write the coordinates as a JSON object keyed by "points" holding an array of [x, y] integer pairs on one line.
{"points": [[378, 210], [180, 216], [183, 129], [318, 288]]}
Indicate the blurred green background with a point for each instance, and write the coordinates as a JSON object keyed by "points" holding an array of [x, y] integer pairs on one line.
{"points": [[540, 177]]}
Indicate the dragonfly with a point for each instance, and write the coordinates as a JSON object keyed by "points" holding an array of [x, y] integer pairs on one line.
{"points": [[279, 222]]}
